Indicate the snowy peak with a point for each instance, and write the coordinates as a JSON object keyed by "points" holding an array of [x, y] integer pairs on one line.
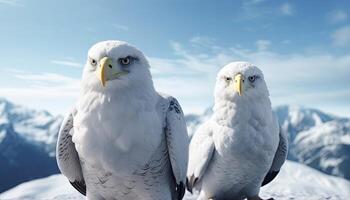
{"points": [[27, 144], [39, 127], [294, 119]]}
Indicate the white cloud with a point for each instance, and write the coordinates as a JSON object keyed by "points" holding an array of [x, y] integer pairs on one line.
{"points": [[314, 80], [50, 91], [317, 80], [259, 9], [337, 16], [341, 37], [251, 9], [11, 2], [287, 9], [120, 27], [263, 45], [66, 63], [202, 40]]}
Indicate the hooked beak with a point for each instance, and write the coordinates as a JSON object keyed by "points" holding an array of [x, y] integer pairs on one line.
{"points": [[107, 71], [238, 84], [105, 61]]}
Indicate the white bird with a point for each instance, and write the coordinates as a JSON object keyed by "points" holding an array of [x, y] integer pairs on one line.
{"points": [[240, 148], [123, 140]]}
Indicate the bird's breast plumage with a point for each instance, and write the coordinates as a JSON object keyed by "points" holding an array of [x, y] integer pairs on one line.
{"points": [[116, 134], [151, 181], [245, 142]]}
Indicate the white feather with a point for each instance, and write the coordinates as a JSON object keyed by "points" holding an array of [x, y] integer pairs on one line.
{"points": [[201, 150]]}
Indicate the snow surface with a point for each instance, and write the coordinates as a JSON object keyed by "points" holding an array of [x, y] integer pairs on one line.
{"points": [[295, 181]]}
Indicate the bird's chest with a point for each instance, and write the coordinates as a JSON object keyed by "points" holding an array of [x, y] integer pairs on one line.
{"points": [[249, 140], [153, 180], [119, 137]]}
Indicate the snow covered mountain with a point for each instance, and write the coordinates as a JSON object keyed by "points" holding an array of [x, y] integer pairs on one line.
{"points": [[28, 139], [37, 127], [27, 144], [316, 139], [295, 181]]}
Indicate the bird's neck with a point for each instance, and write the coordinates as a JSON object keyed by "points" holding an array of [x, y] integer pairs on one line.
{"points": [[240, 110], [140, 97]]}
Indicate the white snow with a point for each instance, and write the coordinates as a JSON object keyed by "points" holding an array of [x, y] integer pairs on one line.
{"points": [[51, 187], [295, 181]]}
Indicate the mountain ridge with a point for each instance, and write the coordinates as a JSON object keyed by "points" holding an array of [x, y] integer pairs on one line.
{"points": [[317, 139]]}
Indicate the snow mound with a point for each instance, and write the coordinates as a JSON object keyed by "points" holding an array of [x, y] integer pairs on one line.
{"points": [[295, 181]]}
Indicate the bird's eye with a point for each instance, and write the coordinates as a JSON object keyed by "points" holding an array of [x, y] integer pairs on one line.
{"points": [[252, 78], [93, 62], [124, 61], [228, 78]]}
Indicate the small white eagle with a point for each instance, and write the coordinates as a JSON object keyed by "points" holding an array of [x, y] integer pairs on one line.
{"points": [[240, 148], [123, 140]]}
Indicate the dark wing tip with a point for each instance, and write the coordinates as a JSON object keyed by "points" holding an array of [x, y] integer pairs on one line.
{"points": [[180, 189], [269, 177], [191, 182], [188, 186], [80, 186]]}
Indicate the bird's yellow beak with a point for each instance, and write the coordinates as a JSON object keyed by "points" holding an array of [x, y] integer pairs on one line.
{"points": [[105, 61], [238, 84], [109, 72]]}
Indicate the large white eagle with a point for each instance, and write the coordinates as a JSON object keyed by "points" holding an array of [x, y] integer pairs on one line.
{"points": [[123, 140], [240, 148]]}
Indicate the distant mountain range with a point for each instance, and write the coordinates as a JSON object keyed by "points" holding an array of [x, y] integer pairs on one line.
{"points": [[27, 144], [28, 141], [317, 139]]}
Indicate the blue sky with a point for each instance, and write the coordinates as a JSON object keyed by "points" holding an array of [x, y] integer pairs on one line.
{"points": [[303, 47]]}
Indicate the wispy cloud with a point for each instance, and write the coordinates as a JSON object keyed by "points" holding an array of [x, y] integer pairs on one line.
{"points": [[11, 2], [263, 45], [259, 9], [287, 9], [341, 36], [45, 78], [50, 91], [66, 63], [337, 16], [292, 78], [316, 79], [120, 27], [202, 40], [251, 9]]}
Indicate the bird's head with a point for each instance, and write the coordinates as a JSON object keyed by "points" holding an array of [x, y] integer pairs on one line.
{"points": [[115, 65], [240, 80]]}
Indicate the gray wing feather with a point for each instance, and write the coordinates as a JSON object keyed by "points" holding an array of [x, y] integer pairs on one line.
{"points": [[177, 143], [279, 159], [67, 156], [281, 153]]}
